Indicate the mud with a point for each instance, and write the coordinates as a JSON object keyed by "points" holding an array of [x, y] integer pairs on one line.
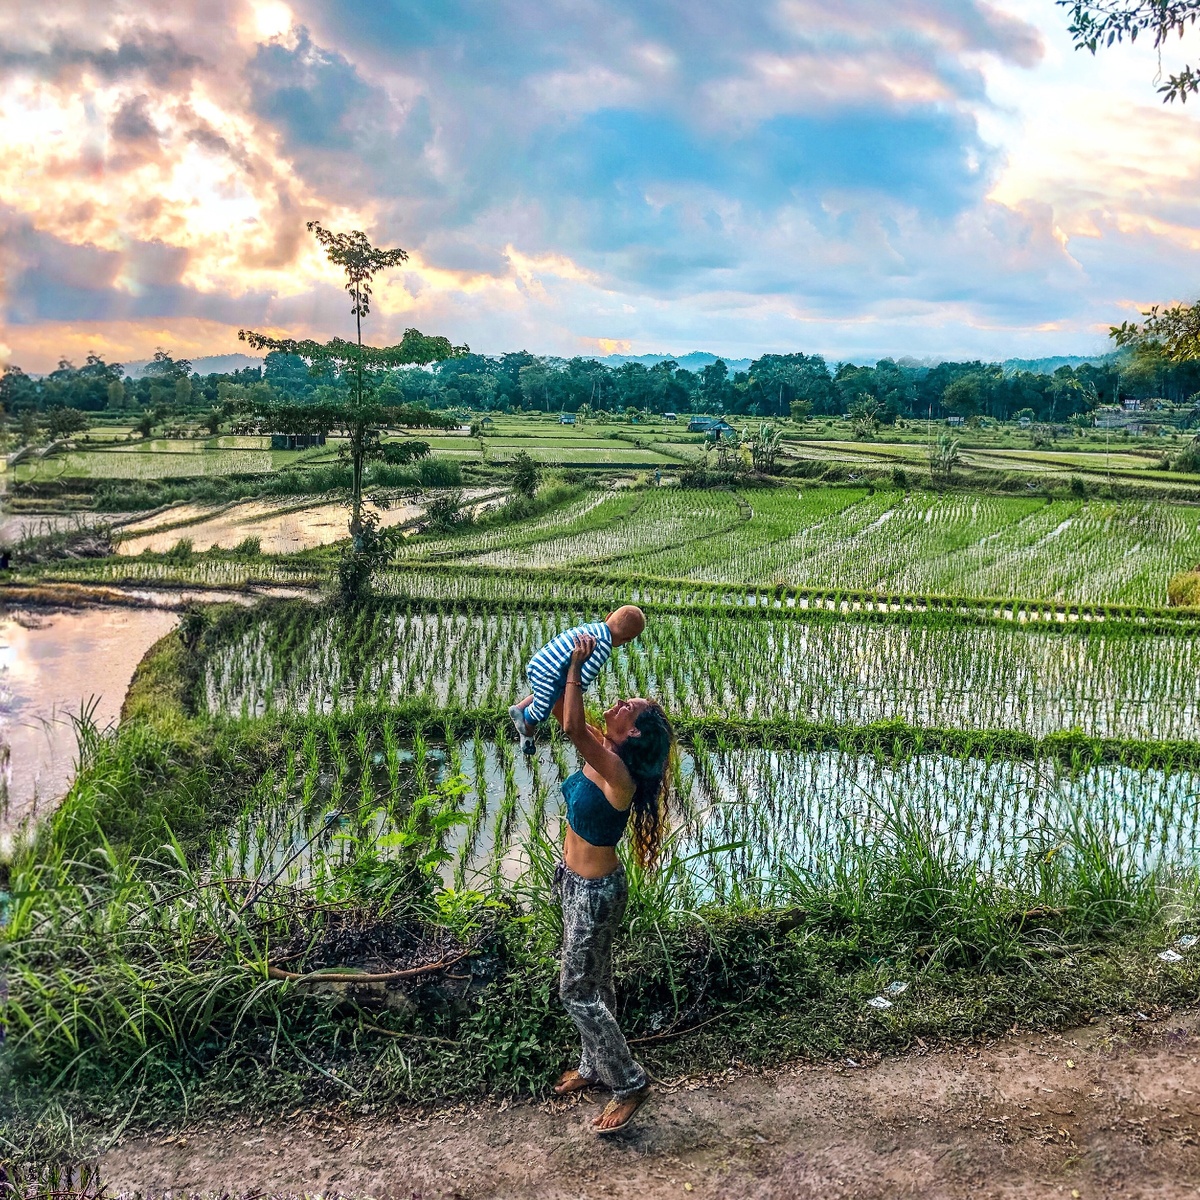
{"points": [[1097, 1112]]}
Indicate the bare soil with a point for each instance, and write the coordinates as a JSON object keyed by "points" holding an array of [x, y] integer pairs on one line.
{"points": [[1098, 1112]]}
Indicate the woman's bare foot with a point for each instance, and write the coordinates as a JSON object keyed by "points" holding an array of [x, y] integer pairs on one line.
{"points": [[572, 1081], [618, 1113]]}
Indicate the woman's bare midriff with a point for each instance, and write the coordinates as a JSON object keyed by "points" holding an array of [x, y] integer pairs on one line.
{"points": [[592, 862]]}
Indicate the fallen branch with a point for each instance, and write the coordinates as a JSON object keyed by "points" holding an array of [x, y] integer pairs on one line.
{"points": [[417, 1037], [1041, 912], [667, 1034], [347, 975], [674, 1033]]}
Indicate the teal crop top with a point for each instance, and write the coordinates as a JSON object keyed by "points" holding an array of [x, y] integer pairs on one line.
{"points": [[589, 812]]}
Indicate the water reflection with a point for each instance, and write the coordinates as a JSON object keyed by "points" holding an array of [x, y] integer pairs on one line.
{"points": [[282, 527], [15, 526], [743, 817], [52, 665]]}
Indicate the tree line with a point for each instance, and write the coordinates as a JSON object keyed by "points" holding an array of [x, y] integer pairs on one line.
{"points": [[776, 385]]}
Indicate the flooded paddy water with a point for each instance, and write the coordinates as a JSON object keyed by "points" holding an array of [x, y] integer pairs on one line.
{"points": [[15, 526], [283, 526], [54, 667], [745, 819]]}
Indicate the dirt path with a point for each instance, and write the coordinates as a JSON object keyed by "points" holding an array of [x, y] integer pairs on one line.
{"points": [[1092, 1113]]}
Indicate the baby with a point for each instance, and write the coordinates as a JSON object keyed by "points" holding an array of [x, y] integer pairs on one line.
{"points": [[547, 669]]}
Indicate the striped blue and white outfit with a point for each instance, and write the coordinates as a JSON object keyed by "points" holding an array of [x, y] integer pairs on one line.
{"points": [[547, 669]]}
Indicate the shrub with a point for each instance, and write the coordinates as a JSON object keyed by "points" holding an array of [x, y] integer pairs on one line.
{"points": [[445, 512], [440, 472], [1188, 459], [1184, 589], [363, 558], [382, 475], [702, 477], [525, 474], [398, 453]]}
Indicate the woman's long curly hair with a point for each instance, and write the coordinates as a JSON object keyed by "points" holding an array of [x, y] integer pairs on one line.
{"points": [[650, 760]]}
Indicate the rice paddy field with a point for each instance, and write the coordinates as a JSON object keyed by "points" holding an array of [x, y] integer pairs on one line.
{"points": [[162, 458], [859, 539], [766, 666], [183, 458], [566, 446], [943, 738], [606, 454], [1142, 463], [751, 821], [847, 539], [764, 809]]}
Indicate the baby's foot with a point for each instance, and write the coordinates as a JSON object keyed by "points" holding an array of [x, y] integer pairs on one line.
{"points": [[524, 730]]}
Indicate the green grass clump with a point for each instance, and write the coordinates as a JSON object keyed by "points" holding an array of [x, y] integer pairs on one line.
{"points": [[1184, 589]]}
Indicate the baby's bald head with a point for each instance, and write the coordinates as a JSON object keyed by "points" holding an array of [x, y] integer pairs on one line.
{"points": [[625, 623]]}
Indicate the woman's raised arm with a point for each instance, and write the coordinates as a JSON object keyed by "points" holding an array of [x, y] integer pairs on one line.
{"points": [[588, 740]]}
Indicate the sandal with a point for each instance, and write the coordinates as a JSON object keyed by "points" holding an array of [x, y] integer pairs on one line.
{"points": [[571, 1081], [636, 1099]]}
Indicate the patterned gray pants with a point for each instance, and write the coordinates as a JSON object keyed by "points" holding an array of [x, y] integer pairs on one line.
{"points": [[592, 912]]}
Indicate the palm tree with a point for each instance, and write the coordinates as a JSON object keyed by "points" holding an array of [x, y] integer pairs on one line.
{"points": [[765, 447], [944, 457]]}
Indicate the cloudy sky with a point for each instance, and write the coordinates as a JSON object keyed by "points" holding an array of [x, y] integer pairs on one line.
{"points": [[940, 178]]}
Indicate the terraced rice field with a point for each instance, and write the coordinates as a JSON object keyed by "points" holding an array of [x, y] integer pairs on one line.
{"points": [[762, 801], [281, 526], [1019, 553], [157, 460], [604, 454], [599, 527], [919, 735], [858, 539], [816, 668], [748, 821]]}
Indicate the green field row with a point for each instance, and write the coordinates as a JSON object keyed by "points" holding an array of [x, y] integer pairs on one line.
{"points": [[164, 459], [765, 667], [1072, 551]]}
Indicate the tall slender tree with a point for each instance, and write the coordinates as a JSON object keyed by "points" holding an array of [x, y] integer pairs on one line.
{"points": [[359, 417]]}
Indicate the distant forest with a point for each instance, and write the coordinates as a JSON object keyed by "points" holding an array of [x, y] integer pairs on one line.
{"points": [[775, 385]]}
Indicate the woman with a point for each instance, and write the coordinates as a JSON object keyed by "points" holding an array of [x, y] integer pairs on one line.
{"points": [[625, 781]]}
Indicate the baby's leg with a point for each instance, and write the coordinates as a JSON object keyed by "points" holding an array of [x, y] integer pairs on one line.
{"points": [[547, 685]]}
